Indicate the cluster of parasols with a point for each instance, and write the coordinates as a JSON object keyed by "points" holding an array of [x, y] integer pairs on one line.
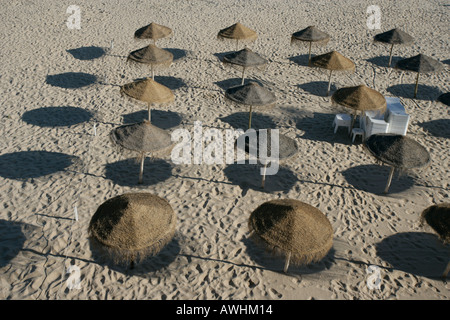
{"points": [[133, 226]]}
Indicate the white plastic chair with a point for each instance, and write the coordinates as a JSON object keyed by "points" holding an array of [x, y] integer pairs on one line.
{"points": [[342, 120]]}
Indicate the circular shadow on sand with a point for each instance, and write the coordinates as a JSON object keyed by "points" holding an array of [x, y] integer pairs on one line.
{"points": [[172, 83], [248, 176], [438, 127], [418, 253], [12, 240], [275, 263], [87, 53], [234, 82], [239, 120], [56, 116], [160, 118], [383, 61], [373, 178], [71, 80], [424, 92], [161, 260], [177, 53], [318, 88], [33, 164], [126, 172], [301, 60]]}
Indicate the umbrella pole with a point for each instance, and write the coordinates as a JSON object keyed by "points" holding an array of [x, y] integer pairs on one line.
{"points": [[446, 271], [391, 174], [153, 73], [329, 83], [390, 55], [243, 74], [149, 114], [250, 118], [141, 173], [264, 175], [237, 44], [309, 57], [286, 263], [417, 85]]}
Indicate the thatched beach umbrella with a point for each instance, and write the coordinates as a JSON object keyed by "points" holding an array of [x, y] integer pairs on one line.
{"points": [[149, 91], [299, 231], [153, 31], [359, 98], [286, 146], [251, 94], [141, 137], [133, 226], [310, 34], [438, 218], [392, 37], [420, 64], [245, 59], [444, 98], [333, 61], [237, 32], [398, 152], [153, 56]]}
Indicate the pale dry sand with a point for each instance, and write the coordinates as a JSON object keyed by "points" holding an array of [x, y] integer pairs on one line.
{"points": [[54, 91]]}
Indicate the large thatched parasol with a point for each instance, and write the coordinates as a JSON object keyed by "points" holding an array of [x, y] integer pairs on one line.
{"points": [[438, 218], [141, 137], [292, 228], [149, 91], [444, 98], [392, 37], [245, 58], [397, 151], [286, 147], [133, 226], [237, 32], [153, 31], [333, 61], [420, 64], [251, 94], [153, 56], [310, 34], [359, 98]]}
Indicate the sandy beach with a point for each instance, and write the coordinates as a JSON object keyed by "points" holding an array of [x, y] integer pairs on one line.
{"points": [[61, 99]]}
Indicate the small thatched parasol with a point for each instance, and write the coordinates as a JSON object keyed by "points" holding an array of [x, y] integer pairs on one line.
{"points": [[392, 37], [397, 151], [153, 56], [333, 61], [359, 98], [141, 137], [153, 31], [292, 228], [245, 58], [149, 91], [133, 226], [237, 32], [310, 34], [286, 147], [444, 98], [420, 64], [251, 94], [438, 218]]}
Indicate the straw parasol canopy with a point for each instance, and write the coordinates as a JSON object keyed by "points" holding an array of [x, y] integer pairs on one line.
{"points": [[359, 98], [398, 152], [292, 228], [149, 91], [153, 31], [438, 218], [132, 226], [310, 34], [444, 98], [237, 32], [251, 94], [392, 37], [287, 147], [245, 58], [333, 61], [141, 137], [153, 56], [420, 64]]}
